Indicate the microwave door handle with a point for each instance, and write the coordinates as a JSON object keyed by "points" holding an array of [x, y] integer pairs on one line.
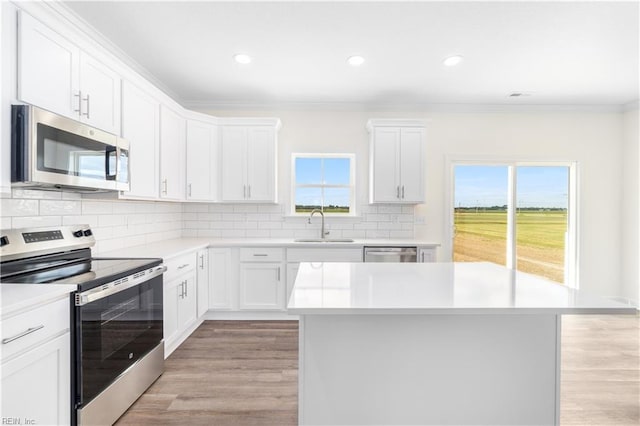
{"points": [[107, 156]]}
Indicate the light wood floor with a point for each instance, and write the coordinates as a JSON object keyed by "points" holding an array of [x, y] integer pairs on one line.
{"points": [[245, 373]]}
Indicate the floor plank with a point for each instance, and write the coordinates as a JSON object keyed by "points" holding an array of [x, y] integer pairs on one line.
{"points": [[245, 373]]}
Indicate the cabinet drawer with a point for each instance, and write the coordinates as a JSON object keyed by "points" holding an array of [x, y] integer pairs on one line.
{"points": [[257, 254], [325, 255], [179, 265], [34, 326]]}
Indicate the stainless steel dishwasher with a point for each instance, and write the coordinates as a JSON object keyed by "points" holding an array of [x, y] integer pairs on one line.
{"points": [[390, 254]]}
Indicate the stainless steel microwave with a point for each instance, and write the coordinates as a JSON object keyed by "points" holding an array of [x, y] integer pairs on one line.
{"points": [[49, 151]]}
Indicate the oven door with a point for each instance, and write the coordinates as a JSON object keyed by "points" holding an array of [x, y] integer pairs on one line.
{"points": [[113, 333]]}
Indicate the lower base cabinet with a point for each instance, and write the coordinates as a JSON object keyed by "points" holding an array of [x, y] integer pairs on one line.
{"points": [[36, 385], [262, 286], [180, 308]]}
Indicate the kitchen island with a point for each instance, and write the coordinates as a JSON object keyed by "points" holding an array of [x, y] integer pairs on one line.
{"points": [[439, 343]]}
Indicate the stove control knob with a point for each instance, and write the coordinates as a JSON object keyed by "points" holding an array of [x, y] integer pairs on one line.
{"points": [[78, 234], [88, 233], [4, 241]]}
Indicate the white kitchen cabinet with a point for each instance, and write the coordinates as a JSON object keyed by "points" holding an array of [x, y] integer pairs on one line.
{"points": [[248, 163], [36, 361], [223, 278], [202, 161], [100, 95], [141, 127], [427, 254], [172, 155], [396, 161], [202, 275], [180, 300], [262, 279], [54, 74]]}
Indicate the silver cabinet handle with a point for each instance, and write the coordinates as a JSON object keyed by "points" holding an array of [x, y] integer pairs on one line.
{"points": [[249, 192], [260, 255], [79, 96], [244, 191], [88, 103], [422, 256], [183, 266], [403, 192], [164, 185], [189, 190], [24, 333], [202, 261], [398, 191], [186, 289], [278, 273]]}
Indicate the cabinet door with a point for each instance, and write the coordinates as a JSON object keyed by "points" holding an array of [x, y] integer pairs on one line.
{"points": [[187, 302], [233, 163], [261, 174], [426, 255], [47, 68], [36, 385], [200, 167], [223, 281], [292, 272], [172, 153], [411, 175], [385, 165], [100, 89], [171, 296], [261, 286], [202, 273], [141, 126]]}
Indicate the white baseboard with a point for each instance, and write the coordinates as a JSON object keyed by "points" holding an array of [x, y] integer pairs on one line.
{"points": [[248, 316]]}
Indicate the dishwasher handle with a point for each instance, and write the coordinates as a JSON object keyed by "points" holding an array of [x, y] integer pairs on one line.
{"points": [[392, 253]]}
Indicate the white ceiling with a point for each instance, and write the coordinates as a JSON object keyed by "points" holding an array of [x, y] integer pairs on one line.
{"points": [[565, 53]]}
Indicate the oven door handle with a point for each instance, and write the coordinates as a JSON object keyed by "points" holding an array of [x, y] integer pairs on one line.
{"points": [[118, 285]]}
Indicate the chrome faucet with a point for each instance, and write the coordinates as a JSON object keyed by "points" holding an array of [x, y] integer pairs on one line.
{"points": [[314, 211]]}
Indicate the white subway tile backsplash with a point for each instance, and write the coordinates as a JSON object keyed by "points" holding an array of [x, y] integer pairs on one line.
{"points": [[390, 208], [401, 234], [36, 194], [5, 222], [111, 220], [366, 225], [233, 233], [233, 217], [97, 207], [258, 233], [13, 207], [60, 207], [269, 225], [91, 220], [270, 208], [245, 208], [36, 221]]}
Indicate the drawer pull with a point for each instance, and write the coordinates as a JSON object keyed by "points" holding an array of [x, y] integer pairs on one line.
{"points": [[260, 255], [183, 266], [24, 333]]}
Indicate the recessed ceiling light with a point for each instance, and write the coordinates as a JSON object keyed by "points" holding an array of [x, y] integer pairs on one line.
{"points": [[355, 61], [241, 58], [452, 60]]}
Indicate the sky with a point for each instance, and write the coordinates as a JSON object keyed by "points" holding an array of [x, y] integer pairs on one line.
{"points": [[486, 186], [332, 171]]}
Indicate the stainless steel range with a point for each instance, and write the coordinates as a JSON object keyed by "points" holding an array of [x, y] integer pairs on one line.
{"points": [[116, 316]]}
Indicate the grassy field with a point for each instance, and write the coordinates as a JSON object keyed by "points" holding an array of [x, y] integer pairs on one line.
{"points": [[481, 236]]}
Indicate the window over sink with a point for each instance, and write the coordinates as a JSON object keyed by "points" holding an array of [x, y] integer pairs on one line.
{"points": [[323, 181]]}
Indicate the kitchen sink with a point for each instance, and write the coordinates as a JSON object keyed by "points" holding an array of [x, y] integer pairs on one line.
{"points": [[323, 240]]}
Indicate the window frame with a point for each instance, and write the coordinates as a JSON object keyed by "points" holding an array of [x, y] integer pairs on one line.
{"points": [[352, 181]]}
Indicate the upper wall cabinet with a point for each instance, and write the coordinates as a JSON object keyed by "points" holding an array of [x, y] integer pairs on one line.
{"points": [[202, 161], [249, 169], [396, 172], [55, 75], [172, 155], [141, 127]]}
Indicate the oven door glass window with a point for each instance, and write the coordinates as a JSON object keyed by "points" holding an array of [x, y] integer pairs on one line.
{"points": [[115, 332]]}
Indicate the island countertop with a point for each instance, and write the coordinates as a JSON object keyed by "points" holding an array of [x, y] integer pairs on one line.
{"points": [[436, 288]]}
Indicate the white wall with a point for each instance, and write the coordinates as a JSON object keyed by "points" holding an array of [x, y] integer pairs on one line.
{"points": [[593, 139], [631, 207]]}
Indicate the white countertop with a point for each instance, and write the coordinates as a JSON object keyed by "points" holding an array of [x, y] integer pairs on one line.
{"points": [[175, 247], [435, 288], [16, 297]]}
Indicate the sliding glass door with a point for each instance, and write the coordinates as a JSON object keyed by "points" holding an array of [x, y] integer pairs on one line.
{"points": [[520, 215]]}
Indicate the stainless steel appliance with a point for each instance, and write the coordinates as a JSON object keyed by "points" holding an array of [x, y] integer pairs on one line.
{"points": [[116, 316], [390, 254], [49, 151]]}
